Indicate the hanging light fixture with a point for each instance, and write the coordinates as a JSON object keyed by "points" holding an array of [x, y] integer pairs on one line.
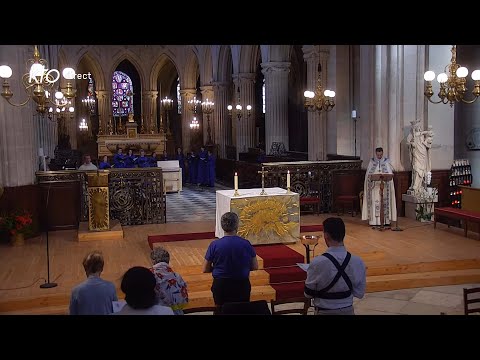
{"points": [[39, 84], [452, 83], [238, 108], [319, 99], [207, 109], [194, 125], [83, 126]]}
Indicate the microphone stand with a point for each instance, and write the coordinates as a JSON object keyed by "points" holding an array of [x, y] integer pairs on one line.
{"points": [[48, 284]]}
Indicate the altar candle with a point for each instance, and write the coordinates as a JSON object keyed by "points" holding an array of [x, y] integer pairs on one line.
{"points": [[288, 179], [236, 181]]}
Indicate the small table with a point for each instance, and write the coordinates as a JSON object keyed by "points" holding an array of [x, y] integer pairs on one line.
{"points": [[307, 241]]}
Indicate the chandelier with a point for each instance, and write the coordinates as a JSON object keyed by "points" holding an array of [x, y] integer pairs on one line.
{"points": [[83, 126], [452, 83], [167, 105], [207, 108], [193, 104], [238, 108], [319, 99], [39, 84], [89, 102], [194, 125]]}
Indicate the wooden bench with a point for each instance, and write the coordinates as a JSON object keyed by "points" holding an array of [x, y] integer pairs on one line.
{"points": [[457, 214]]}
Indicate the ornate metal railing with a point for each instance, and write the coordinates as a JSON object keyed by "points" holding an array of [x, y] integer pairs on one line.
{"points": [[136, 195], [308, 178]]}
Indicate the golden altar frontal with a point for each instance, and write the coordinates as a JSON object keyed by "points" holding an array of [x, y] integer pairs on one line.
{"points": [[98, 201], [273, 218]]}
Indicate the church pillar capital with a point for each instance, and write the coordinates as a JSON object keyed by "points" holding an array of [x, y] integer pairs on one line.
{"points": [[275, 67], [188, 92]]}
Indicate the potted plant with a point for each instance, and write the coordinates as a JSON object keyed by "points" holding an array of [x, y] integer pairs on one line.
{"points": [[18, 226]]}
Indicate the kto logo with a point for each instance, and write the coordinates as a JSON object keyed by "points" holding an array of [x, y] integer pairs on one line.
{"points": [[39, 74]]}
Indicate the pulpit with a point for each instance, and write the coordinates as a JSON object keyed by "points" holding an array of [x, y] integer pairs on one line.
{"points": [[273, 218], [383, 178], [98, 201]]}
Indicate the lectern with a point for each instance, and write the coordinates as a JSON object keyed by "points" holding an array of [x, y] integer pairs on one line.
{"points": [[98, 201], [383, 178]]}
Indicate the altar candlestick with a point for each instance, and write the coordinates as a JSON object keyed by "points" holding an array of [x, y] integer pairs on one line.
{"points": [[288, 180], [235, 181]]}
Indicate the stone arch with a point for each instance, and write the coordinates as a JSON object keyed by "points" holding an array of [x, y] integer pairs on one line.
{"points": [[134, 60], [280, 52], [224, 64], [248, 58], [164, 60], [191, 71], [207, 74], [92, 64]]}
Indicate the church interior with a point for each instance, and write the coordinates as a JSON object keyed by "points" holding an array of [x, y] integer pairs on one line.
{"points": [[126, 148]]}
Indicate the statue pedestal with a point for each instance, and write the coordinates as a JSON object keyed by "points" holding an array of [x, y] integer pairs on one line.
{"points": [[417, 208]]}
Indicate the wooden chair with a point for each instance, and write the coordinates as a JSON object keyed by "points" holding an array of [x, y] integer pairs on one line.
{"points": [[258, 307], [467, 300], [199, 310], [302, 308], [346, 185]]}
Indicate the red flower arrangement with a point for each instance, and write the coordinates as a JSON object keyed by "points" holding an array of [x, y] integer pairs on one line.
{"points": [[17, 224]]}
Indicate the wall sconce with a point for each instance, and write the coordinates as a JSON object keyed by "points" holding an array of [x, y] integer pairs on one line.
{"points": [[452, 83], [238, 108], [39, 84]]}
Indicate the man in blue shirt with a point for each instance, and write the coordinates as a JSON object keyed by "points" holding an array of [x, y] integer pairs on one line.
{"points": [[94, 296], [230, 260]]}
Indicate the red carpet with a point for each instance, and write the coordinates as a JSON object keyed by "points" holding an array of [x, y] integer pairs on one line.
{"points": [[280, 262], [210, 235]]}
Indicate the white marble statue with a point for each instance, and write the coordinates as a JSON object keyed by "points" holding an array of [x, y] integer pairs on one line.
{"points": [[420, 143]]}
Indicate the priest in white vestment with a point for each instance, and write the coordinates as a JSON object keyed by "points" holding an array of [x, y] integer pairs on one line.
{"points": [[371, 192]]}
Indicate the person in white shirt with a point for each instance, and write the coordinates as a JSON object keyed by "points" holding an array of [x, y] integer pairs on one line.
{"points": [[87, 164], [138, 284], [336, 276]]}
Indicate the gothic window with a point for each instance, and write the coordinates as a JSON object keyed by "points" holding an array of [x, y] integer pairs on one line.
{"points": [[263, 96], [179, 98], [122, 99]]}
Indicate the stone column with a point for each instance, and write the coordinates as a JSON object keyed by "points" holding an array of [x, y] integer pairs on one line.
{"points": [[220, 117], [317, 122], [18, 143], [46, 130], [104, 110], [276, 103], [187, 116], [149, 112], [246, 127], [207, 93]]}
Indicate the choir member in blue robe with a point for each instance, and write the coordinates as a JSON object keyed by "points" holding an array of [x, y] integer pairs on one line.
{"points": [[211, 169], [261, 156], [153, 160], [104, 164], [130, 159], [202, 176], [164, 156], [142, 160], [119, 159], [181, 162], [192, 167]]}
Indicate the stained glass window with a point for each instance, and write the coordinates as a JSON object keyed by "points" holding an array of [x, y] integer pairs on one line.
{"points": [[122, 98], [263, 96], [179, 98]]}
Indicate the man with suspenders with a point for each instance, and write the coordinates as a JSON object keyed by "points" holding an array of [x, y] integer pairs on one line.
{"points": [[335, 277]]}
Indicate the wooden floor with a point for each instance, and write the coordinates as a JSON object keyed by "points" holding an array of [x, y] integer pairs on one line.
{"points": [[416, 257]]}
